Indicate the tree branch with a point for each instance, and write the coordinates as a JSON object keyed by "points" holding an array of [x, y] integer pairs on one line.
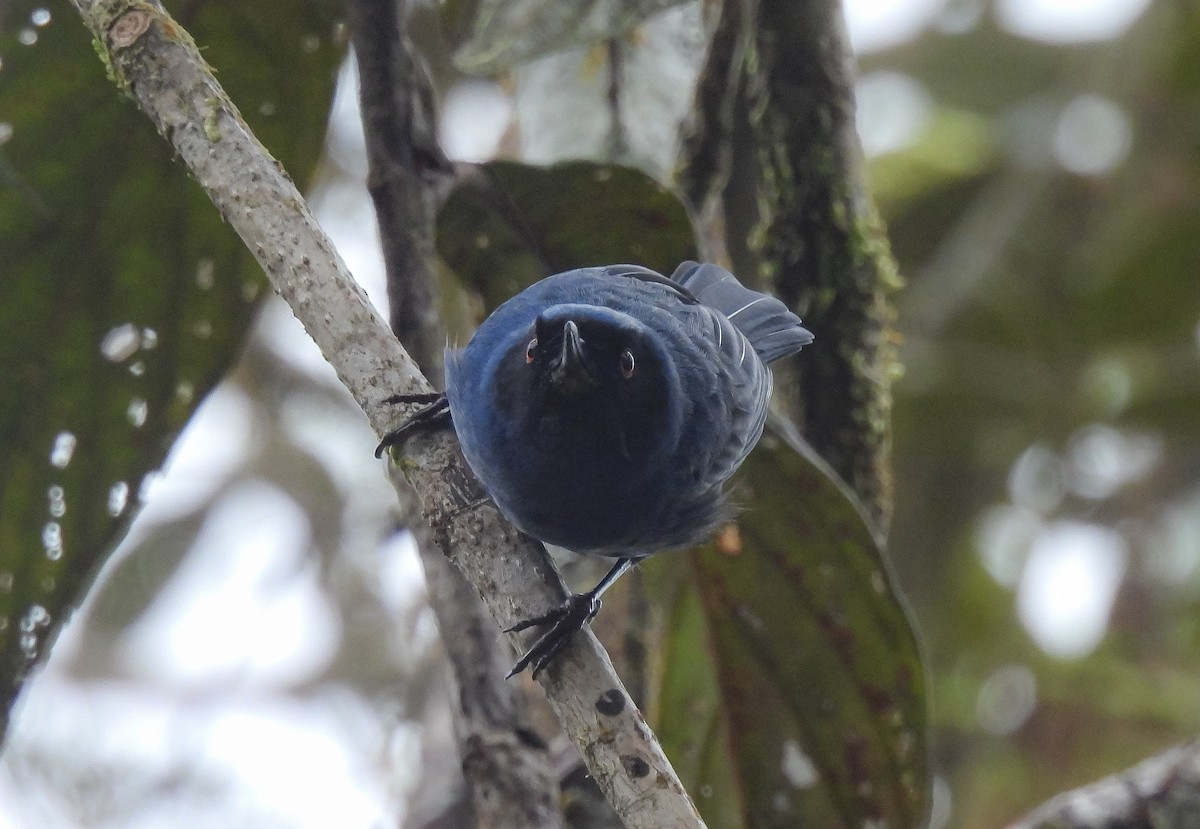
{"points": [[508, 774], [1161, 791], [406, 171], [152, 58]]}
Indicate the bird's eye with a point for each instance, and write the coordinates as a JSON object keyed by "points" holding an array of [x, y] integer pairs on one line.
{"points": [[627, 364], [531, 350]]}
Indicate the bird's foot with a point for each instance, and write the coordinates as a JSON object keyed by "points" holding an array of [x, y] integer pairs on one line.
{"points": [[435, 413], [565, 621]]}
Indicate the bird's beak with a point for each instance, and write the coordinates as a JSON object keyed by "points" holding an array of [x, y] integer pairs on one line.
{"points": [[571, 374], [571, 357]]}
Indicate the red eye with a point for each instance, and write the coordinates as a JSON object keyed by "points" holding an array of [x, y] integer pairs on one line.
{"points": [[627, 364], [531, 350]]}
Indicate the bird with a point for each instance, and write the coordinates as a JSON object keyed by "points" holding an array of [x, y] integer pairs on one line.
{"points": [[604, 408]]}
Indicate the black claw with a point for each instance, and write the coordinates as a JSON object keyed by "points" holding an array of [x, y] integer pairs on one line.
{"points": [[435, 414], [565, 621]]}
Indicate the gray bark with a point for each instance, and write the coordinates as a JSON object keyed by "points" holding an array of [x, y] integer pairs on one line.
{"points": [[1162, 792]]}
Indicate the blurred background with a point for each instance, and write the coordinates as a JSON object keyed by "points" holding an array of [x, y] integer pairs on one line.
{"points": [[259, 651]]}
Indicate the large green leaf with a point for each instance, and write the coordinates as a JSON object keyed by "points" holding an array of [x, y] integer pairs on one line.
{"points": [[687, 709], [511, 224], [123, 296], [798, 660]]}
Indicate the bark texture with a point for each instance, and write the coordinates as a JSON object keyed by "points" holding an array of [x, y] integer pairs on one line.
{"points": [[1163, 791]]}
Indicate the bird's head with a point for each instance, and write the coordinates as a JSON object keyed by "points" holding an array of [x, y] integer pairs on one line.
{"points": [[578, 349], [591, 368]]}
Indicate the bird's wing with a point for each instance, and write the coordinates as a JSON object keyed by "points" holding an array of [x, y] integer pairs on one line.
{"points": [[772, 329], [647, 275], [734, 387]]}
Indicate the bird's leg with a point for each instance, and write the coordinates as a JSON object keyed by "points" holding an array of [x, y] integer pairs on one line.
{"points": [[435, 413], [565, 621]]}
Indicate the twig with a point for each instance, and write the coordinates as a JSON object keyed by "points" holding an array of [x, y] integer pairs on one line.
{"points": [[157, 63]]}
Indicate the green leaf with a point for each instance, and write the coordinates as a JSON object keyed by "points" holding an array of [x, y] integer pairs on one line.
{"points": [[123, 296], [820, 688], [511, 224], [688, 711]]}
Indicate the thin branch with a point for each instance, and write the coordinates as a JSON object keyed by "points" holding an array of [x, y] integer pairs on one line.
{"points": [[509, 779], [156, 62], [406, 171]]}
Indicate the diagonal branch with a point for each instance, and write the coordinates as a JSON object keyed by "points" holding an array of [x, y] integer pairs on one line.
{"points": [[1163, 790], [155, 61]]}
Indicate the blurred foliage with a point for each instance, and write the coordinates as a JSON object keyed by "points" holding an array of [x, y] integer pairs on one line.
{"points": [[1050, 332], [125, 297]]}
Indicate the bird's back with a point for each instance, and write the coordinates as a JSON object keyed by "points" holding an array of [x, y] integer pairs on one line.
{"points": [[773, 330]]}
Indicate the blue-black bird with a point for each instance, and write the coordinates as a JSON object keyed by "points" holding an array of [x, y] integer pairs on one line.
{"points": [[603, 409]]}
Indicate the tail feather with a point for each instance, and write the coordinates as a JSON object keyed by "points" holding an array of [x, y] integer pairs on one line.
{"points": [[771, 328]]}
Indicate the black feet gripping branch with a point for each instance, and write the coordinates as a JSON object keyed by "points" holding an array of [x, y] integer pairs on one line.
{"points": [[434, 414], [565, 621]]}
